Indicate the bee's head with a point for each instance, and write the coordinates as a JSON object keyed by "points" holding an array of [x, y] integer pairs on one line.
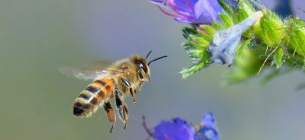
{"points": [[142, 66]]}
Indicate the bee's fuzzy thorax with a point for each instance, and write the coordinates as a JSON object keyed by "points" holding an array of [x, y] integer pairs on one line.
{"points": [[137, 58]]}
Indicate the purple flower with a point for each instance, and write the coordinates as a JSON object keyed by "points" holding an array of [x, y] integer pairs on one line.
{"points": [[207, 130], [191, 11], [176, 130]]}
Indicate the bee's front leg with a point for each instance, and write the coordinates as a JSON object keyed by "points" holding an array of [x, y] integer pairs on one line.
{"points": [[110, 114], [140, 87], [131, 90], [122, 107], [133, 94]]}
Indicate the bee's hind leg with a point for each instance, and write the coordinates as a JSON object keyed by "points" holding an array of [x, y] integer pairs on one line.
{"points": [[125, 110], [122, 107], [110, 114]]}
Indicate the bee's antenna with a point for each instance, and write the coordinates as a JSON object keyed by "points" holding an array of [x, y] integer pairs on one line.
{"points": [[156, 59], [148, 54]]}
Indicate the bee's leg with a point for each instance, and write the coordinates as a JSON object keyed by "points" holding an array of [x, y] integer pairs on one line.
{"points": [[125, 108], [122, 107], [140, 87], [110, 114], [142, 80], [131, 90]]}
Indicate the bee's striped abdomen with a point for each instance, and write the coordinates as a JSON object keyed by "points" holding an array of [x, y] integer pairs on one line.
{"points": [[89, 99]]}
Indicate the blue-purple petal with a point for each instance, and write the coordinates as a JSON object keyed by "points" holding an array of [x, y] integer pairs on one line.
{"points": [[207, 11], [184, 19], [184, 5], [209, 121], [176, 130], [206, 134], [193, 11], [208, 131]]}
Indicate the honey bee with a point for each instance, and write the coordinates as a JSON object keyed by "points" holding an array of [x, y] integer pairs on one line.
{"points": [[118, 80]]}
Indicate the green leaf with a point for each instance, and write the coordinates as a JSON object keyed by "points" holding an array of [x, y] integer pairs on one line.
{"points": [[278, 56], [202, 43], [227, 20], [218, 26], [246, 65], [198, 64], [188, 31], [300, 36], [272, 29], [246, 7], [209, 29], [227, 8], [242, 47], [205, 36]]}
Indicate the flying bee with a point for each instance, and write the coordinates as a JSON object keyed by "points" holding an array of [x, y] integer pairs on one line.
{"points": [[119, 79]]}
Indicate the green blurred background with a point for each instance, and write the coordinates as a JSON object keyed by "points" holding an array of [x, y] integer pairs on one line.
{"points": [[39, 36]]}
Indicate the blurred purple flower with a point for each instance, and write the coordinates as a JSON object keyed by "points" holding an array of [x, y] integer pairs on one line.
{"points": [[176, 130], [191, 11], [207, 130]]}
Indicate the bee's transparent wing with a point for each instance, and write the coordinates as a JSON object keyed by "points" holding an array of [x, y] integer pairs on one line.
{"points": [[92, 71], [84, 74]]}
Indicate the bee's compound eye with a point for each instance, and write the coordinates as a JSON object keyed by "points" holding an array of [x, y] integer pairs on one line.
{"points": [[140, 64], [140, 75]]}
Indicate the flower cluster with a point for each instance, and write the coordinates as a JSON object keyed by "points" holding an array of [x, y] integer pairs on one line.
{"points": [[225, 32], [179, 129]]}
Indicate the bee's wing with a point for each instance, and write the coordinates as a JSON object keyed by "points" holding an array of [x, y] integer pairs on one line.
{"points": [[84, 74], [94, 70]]}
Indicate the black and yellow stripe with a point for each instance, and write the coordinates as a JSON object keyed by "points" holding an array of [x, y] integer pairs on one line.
{"points": [[89, 99]]}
